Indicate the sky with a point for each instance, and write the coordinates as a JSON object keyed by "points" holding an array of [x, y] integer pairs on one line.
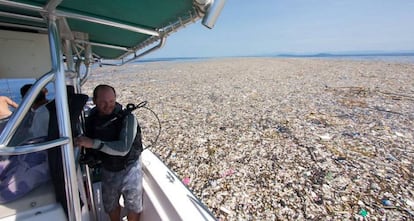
{"points": [[268, 27]]}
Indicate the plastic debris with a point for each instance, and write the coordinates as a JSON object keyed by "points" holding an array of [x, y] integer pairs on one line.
{"points": [[307, 138], [410, 203], [325, 137], [186, 180], [228, 173], [386, 202], [363, 213], [224, 209]]}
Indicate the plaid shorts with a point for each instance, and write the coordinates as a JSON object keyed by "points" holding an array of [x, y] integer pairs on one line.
{"points": [[128, 183]]}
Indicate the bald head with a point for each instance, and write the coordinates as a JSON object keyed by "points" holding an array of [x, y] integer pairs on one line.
{"points": [[104, 97]]}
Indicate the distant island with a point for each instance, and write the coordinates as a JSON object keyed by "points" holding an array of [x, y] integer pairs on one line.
{"points": [[351, 54]]}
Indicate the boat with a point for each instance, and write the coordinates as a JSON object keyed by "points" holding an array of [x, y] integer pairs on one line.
{"points": [[59, 42]]}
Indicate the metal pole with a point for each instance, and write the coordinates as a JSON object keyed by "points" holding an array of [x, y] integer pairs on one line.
{"points": [[213, 13], [88, 61], [62, 111]]}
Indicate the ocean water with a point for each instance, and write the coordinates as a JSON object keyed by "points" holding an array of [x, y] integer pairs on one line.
{"points": [[11, 88], [389, 58]]}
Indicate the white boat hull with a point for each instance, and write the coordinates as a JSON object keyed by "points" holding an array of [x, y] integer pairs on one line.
{"points": [[165, 196]]}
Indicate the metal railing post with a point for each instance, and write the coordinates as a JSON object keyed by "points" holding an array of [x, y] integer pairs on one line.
{"points": [[62, 111]]}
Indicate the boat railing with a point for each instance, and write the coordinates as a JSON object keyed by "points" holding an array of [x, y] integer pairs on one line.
{"points": [[30, 148], [17, 118]]}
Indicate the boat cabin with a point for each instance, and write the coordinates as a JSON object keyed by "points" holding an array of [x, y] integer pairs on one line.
{"points": [[54, 45]]}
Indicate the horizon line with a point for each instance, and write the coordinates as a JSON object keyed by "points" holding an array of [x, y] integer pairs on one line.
{"points": [[294, 54]]}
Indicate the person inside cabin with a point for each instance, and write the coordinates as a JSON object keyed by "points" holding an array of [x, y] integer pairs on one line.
{"points": [[37, 128], [119, 148], [20, 174]]}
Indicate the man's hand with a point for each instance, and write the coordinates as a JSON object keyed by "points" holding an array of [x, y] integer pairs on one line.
{"points": [[83, 141]]}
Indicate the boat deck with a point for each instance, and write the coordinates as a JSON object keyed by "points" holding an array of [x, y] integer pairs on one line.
{"points": [[33, 206]]}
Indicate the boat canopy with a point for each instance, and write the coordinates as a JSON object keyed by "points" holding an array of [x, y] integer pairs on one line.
{"points": [[106, 29]]}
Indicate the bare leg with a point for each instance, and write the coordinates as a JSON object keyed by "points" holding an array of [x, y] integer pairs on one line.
{"points": [[133, 216], [115, 215]]}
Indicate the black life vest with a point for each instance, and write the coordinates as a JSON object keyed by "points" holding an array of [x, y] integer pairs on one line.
{"points": [[111, 133]]}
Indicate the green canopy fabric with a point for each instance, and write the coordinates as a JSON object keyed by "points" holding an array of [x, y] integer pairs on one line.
{"points": [[113, 28]]}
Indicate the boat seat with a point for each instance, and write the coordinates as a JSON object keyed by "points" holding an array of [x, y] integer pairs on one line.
{"points": [[40, 196], [76, 102]]}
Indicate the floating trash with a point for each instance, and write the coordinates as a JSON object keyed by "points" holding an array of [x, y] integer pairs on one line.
{"points": [[386, 202], [325, 137], [363, 213], [186, 180], [228, 173], [410, 203], [281, 139]]}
